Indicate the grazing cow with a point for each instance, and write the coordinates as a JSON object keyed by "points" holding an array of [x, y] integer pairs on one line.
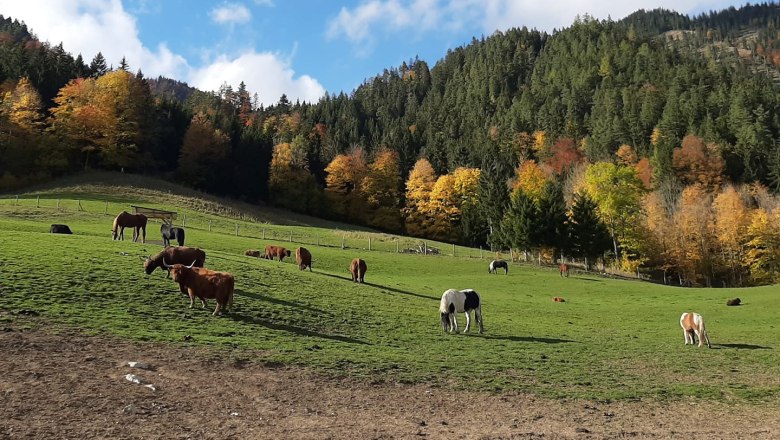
{"points": [[170, 232], [564, 269], [358, 270], [460, 301], [693, 324], [204, 284], [303, 258], [252, 253], [733, 302], [175, 255], [127, 220], [60, 229], [498, 264], [276, 251]]}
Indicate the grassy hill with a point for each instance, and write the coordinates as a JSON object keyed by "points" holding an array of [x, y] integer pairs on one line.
{"points": [[611, 339]]}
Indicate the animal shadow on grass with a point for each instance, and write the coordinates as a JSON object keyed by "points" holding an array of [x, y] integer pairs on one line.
{"points": [[392, 289], [297, 330], [280, 302], [520, 338], [743, 346]]}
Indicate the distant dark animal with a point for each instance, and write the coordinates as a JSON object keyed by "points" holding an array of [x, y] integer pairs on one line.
{"points": [[358, 270], [276, 251], [498, 264], [564, 269], [252, 253], [734, 302], [303, 258], [558, 299], [460, 301], [693, 324], [204, 284], [60, 229], [127, 220], [170, 232]]}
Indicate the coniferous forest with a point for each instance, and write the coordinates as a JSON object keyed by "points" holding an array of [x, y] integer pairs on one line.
{"points": [[646, 144]]}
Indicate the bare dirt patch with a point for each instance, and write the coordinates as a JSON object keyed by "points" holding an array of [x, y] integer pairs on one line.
{"points": [[69, 386]]}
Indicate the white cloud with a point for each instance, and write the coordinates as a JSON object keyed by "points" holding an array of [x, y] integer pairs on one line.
{"points": [[264, 73], [231, 13], [363, 24], [91, 26]]}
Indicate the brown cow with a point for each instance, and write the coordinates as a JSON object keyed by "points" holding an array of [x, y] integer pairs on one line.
{"points": [[303, 258], [176, 255], [564, 269], [252, 253], [205, 284], [358, 270], [276, 251]]}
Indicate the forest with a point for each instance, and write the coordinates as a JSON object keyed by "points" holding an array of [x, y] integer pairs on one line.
{"points": [[648, 144]]}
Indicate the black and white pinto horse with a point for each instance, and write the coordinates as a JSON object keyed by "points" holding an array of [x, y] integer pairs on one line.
{"points": [[171, 233], [460, 301], [498, 264]]}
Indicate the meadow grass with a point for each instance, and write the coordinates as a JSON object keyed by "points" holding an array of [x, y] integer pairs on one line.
{"points": [[611, 339]]}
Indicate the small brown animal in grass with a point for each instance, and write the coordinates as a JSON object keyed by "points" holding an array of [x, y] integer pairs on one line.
{"points": [[358, 270], [734, 302], [558, 299], [276, 251], [252, 253], [564, 269], [303, 258]]}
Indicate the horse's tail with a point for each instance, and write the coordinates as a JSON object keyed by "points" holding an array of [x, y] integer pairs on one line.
{"points": [[703, 336], [116, 224]]}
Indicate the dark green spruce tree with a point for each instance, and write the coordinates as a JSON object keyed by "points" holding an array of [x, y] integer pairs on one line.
{"points": [[589, 236]]}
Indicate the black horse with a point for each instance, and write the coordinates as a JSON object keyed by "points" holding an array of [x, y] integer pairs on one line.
{"points": [[169, 232]]}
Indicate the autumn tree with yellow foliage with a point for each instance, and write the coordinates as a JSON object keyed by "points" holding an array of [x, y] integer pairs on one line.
{"points": [[419, 185], [344, 185]]}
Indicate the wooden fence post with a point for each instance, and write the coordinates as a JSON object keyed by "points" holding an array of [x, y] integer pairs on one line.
{"points": [[480, 252], [17, 199], [236, 229], [343, 239], [58, 203], [81, 208], [38, 201], [209, 225], [396, 245], [290, 237], [184, 220], [453, 249], [369, 243]]}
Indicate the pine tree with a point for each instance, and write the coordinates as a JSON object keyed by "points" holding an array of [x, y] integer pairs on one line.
{"points": [[521, 224], [589, 236], [553, 220], [98, 66]]}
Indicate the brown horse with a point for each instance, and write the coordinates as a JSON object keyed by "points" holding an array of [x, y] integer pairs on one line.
{"points": [[127, 220]]}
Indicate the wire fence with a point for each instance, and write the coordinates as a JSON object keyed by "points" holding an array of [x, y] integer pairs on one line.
{"points": [[302, 235]]}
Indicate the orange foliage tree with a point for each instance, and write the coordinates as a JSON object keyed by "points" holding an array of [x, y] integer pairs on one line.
{"points": [[381, 189], [290, 183], [531, 178], [695, 162], [693, 224], [731, 217], [343, 184], [563, 155], [418, 194]]}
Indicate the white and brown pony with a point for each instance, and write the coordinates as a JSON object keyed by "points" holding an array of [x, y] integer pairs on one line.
{"points": [[693, 324]]}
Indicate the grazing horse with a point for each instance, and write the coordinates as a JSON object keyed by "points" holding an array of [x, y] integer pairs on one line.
{"points": [[498, 264], [459, 301], [170, 232], [564, 269], [693, 324], [127, 220]]}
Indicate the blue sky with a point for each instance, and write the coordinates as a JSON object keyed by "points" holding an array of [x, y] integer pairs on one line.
{"points": [[302, 48]]}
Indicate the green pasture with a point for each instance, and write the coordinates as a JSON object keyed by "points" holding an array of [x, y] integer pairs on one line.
{"points": [[611, 339]]}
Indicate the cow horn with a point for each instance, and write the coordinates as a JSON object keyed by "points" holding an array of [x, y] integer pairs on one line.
{"points": [[166, 264], [193, 263]]}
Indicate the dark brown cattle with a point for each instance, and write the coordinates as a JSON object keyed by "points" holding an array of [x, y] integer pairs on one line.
{"points": [[303, 258], [358, 270], [733, 302], [564, 269], [60, 229], [205, 284], [252, 253], [175, 255], [276, 251]]}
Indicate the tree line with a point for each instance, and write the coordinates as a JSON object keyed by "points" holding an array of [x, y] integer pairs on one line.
{"points": [[557, 145]]}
